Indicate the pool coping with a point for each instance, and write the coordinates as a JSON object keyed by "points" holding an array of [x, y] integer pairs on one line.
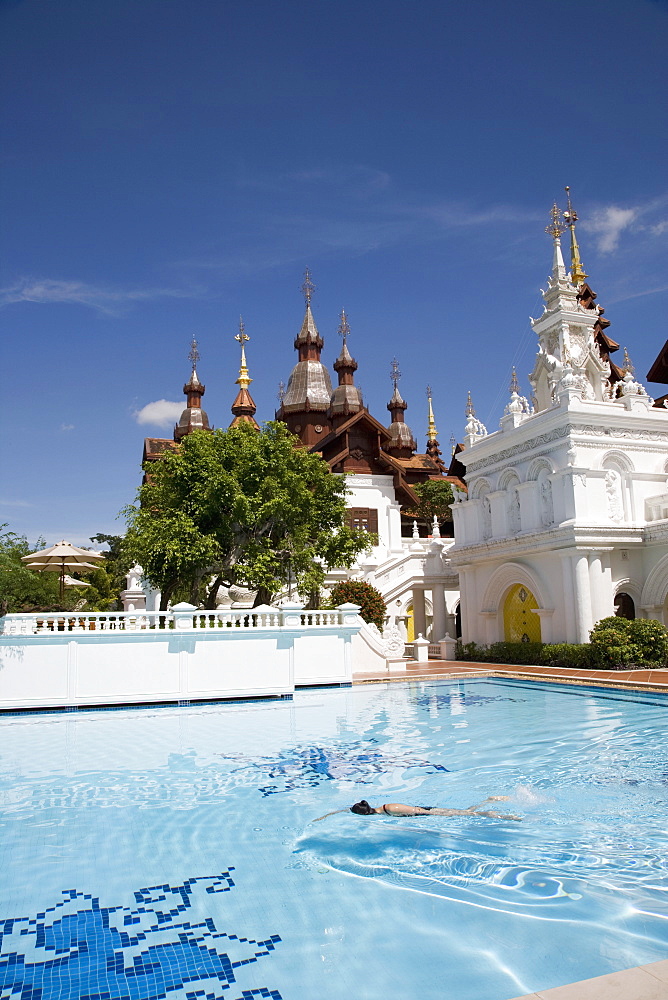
{"points": [[640, 982], [627, 680]]}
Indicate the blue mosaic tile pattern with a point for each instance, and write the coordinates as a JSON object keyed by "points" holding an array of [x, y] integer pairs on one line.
{"points": [[80, 949], [308, 766]]}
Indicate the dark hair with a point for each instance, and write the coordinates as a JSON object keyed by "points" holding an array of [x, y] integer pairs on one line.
{"points": [[362, 808]]}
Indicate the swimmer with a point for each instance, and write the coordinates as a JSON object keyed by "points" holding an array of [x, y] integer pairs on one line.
{"points": [[363, 808]]}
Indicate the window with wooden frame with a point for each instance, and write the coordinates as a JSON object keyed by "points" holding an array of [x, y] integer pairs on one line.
{"points": [[362, 517]]}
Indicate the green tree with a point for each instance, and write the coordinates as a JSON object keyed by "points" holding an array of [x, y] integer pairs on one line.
{"points": [[241, 507], [435, 498], [23, 589]]}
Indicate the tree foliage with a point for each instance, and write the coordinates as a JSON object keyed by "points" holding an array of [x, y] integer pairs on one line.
{"points": [[435, 499], [372, 606], [241, 507], [24, 589]]}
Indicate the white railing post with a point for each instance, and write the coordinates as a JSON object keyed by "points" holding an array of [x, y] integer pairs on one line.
{"points": [[183, 616], [421, 649], [348, 613], [291, 614], [448, 647]]}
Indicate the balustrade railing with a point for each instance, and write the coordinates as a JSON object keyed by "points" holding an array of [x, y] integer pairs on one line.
{"points": [[180, 618]]}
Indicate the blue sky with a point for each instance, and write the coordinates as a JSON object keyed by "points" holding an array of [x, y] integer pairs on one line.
{"points": [[168, 165]]}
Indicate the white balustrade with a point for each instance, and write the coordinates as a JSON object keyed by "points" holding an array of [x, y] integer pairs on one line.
{"points": [[183, 617]]}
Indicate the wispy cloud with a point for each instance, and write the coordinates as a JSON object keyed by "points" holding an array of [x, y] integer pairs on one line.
{"points": [[67, 427], [609, 223], [4, 502], [105, 300], [161, 413]]}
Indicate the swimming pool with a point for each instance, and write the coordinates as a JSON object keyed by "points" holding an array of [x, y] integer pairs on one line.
{"points": [[169, 853]]}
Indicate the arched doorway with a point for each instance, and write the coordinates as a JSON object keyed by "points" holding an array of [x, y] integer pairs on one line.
{"points": [[458, 621], [520, 624], [625, 606]]}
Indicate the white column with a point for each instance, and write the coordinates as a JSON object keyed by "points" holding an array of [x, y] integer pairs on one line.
{"points": [[600, 580], [568, 598], [419, 613], [439, 624], [582, 595]]}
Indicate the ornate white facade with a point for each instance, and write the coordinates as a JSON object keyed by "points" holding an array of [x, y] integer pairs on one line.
{"points": [[414, 575], [567, 506]]}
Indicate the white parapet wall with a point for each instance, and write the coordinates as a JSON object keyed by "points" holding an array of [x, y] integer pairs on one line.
{"points": [[62, 660]]}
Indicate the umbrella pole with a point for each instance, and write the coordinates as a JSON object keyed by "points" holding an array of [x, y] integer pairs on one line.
{"points": [[62, 581]]}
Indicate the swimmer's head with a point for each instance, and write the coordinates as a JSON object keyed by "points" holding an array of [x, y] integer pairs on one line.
{"points": [[362, 808]]}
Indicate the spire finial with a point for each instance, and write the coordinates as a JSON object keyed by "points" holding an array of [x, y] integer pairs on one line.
{"points": [[281, 391], [308, 287], [514, 383], [578, 274], [395, 373], [470, 412], [194, 353], [432, 433], [244, 379], [628, 364], [344, 328], [556, 227], [453, 444]]}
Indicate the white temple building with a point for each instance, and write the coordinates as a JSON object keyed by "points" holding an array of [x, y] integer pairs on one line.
{"points": [[565, 520]]}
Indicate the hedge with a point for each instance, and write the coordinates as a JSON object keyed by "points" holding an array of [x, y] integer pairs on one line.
{"points": [[615, 644]]}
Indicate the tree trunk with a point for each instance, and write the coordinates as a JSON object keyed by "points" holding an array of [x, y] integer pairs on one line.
{"points": [[263, 596], [210, 603], [313, 603]]}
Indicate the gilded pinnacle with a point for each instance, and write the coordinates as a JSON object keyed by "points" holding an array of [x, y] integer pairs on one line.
{"points": [[432, 433], [194, 353], [244, 379], [578, 274], [470, 412], [514, 383]]}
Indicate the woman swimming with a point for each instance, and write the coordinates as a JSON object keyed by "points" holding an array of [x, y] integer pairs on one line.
{"points": [[363, 808]]}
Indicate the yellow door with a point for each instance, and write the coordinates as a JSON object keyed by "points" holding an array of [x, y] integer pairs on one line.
{"points": [[410, 624], [520, 624]]}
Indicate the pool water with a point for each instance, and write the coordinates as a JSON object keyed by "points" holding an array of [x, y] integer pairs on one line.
{"points": [[169, 853]]}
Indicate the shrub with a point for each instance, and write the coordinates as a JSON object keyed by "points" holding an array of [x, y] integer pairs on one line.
{"points": [[471, 651], [372, 606], [570, 654], [623, 641], [525, 653]]}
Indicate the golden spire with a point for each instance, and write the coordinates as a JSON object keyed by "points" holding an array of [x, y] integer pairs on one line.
{"points": [[453, 444], [470, 412], [244, 379], [514, 383], [578, 274], [432, 433]]}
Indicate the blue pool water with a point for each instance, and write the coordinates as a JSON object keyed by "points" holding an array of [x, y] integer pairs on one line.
{"points": [[168, 853]]}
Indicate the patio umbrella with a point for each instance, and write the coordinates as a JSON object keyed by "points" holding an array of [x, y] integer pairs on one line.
{"points": [[70, 581], [58, 557]]}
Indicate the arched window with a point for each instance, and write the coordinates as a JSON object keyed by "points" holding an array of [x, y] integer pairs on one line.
{"points": [[625, 606]]}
